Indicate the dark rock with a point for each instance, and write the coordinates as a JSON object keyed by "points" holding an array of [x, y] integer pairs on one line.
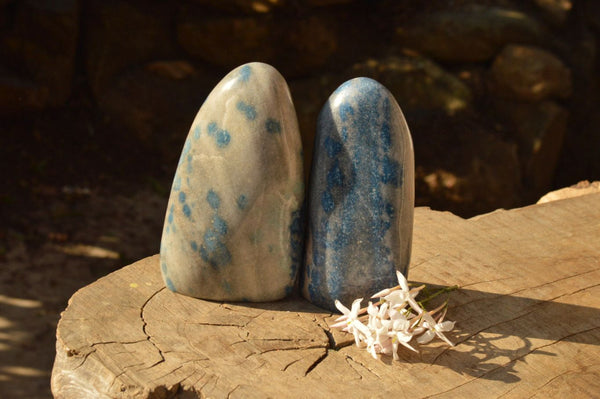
{"points": [[124, 34], [157, 102], [294, 46], [555, 11], [591, 11], [243, 6], [227, 41], [321, 3], [38, 54], [528, 73], [469, 34], [417, 83], [539, 130], [463, 166]]}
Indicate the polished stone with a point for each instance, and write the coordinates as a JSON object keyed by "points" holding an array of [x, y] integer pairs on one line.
{"points": [[361, 198], [233, 228]]}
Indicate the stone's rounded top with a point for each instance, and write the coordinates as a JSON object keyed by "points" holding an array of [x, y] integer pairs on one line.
{"points": [[247, 72], [256, 80], [360, 85]]}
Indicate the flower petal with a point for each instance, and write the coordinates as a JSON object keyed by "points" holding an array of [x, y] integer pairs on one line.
{"points": [[402, 280], [426, 337], [341, 307], [445, 326]]}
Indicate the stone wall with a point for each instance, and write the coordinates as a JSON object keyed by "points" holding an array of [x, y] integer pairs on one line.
{"points": [[500, 95]]}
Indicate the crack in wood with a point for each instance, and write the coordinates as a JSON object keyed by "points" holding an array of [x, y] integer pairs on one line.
{"points": [[483, 282], [516, 359], [316, 363], [577, 370], [203, 323], [118, 342], [361, 364], [85, 357], [292, 348], [533, 308], [522, 290], [232, 391], [145, 324], [292, 362]]}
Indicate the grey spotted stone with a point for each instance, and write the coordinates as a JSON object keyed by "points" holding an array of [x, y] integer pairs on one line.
{"points": [[233, 223]]}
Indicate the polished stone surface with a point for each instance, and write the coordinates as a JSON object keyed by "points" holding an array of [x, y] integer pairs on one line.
{"points": [[361, 196], [233, 228]]}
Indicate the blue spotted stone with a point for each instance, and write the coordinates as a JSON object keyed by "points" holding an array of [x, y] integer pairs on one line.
{"points": [[233, 230], [361, 196]]}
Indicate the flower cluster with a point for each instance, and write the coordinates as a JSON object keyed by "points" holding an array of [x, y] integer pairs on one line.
{"points": [[394, 320]]}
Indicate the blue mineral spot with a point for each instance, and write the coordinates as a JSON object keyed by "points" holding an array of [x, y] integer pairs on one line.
{"points": [[344, 133], [386, 135], [171, 210], [390, 210], [242, 202], [327, 201], [211, 239], [346, 111], [163, 267], [217, 256], [182, 197], [273, 126], [170, 284], [203, 254], [213, 199], [223, 138], [248, 110], [177, 183], [194, 245], [335, 177], [245, 73], [221, 135], [187, 211], [220, 225], [186, 149], [212, 128], [390, 171], [196, 132], [332, 146]]}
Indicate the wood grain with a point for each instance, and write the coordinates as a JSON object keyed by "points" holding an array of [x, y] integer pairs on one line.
{"points": [[527, 313]]}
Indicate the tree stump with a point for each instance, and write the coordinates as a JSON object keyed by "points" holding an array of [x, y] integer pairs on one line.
{"points": [[527, 313]]}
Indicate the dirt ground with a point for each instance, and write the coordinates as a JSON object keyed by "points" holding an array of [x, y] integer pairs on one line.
{"points": [[70, 240], [77, 201]]}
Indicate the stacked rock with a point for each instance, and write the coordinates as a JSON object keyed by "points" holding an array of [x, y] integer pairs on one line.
{"points": [[234, 226]]}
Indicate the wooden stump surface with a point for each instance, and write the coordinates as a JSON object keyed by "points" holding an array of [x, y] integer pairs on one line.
{"points": [[527, 324]]}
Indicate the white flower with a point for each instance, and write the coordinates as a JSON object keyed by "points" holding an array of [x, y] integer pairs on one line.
{"points": [[434, 328], [399, 296], [353, 325], [393, 321]]}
